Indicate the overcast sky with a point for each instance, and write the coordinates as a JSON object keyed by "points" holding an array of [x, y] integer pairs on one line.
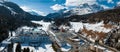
{"points": [[44, 7]]}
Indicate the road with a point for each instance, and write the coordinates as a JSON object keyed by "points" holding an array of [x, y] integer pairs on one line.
{"points": [[84, 38], [102, 45], [65, 37]]}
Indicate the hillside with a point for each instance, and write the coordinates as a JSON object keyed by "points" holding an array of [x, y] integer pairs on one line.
{"points": [[111, 15], [12, 17]]}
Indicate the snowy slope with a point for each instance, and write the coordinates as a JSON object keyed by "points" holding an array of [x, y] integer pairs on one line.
{"points": [[44, 24], [79, 26], [48, 48], [95, 27], [33, 13], [11, 9], [86, 9]]}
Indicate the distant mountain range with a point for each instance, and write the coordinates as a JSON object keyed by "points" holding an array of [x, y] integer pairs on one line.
{"points": [[108, 16], [12, 16], [87, 9], [33, 13], [79, 10]]}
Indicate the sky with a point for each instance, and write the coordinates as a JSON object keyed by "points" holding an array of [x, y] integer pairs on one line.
{"points": [[44, 7]]}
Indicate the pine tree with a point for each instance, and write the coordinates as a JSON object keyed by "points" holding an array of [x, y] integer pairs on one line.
{"points": [[10, 47], [18, 48], [28, 50], [24, 50]]}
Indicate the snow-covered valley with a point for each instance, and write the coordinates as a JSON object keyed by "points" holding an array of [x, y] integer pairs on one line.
{"points": [[30, 37]]}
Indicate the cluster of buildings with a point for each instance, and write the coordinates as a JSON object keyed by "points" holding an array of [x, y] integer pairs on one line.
{"points": [[32, 36], [114, 39], [64, 37]]}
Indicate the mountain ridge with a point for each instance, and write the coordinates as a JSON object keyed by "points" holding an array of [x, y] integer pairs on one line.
{"points": [[12, 17]]}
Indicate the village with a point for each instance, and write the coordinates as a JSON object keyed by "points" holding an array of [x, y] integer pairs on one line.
{"points": [[61, 38]]}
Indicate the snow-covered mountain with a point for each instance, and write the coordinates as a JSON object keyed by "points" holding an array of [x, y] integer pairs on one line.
{"points": [[60, 14], [12, 17], [78, 10], [34, 13], [86, 9]]}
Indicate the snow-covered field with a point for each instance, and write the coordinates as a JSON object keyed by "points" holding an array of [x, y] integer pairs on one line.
{"points": [[95, 27], [75, 25], [42, 48], [44, 24], [78, 26]]}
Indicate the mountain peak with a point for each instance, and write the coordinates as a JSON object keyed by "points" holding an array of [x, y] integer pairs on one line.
{"points": [[33, 11], [86, 9]]}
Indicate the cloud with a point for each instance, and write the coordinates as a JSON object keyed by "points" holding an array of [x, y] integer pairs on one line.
{"points": [[57, 7], [118, 3], [105, 7], [78, 2], [54, 0], [110, 1], [39, 12], [27, 9]]}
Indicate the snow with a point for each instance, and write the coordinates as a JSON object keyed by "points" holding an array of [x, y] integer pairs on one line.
{"points": [[82, 11], [54, 36], [66, 11], [93, 40], [66, 48], [108, 51], [33, 11], [26, 27], [44, 24], [76, 39], [13, 33], [99, 47], [12, 12], [79, 2], [77, 26], [14, 47], [47, 48], [1, 48], [95, 27]]}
